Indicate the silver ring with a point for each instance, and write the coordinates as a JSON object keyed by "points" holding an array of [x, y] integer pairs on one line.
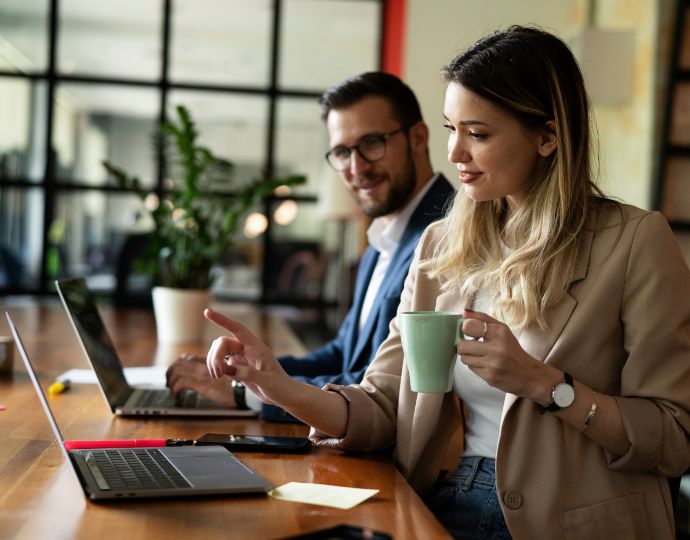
{"points": [[486, 329]]}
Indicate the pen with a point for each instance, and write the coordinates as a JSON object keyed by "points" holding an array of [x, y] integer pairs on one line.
{"points": [[127, 443], [59, 386]]}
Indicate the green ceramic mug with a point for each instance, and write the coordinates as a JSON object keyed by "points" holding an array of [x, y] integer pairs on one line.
{"points": [[429, 340]]}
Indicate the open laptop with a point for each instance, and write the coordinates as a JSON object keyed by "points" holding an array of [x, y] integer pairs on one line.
{"points": [[123, 399], [114, 473]]}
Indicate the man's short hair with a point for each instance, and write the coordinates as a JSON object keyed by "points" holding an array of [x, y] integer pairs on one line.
{"points": [[373, 83]]}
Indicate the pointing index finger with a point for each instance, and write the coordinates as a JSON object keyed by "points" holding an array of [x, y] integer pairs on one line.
{"points": [[240, 331]]}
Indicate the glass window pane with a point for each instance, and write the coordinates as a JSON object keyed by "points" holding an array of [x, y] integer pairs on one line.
{"points": [[676, 203], [238, 273], [23, 133], [100, 37], [301, 253], [21, 234], [88, 234], [23, 35], [233, 127], [221, 41], [297, 223], [324, 41], [301, 142], [104, 122]]}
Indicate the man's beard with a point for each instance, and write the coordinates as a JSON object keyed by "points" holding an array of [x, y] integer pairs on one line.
{"points": [[401, 188]]}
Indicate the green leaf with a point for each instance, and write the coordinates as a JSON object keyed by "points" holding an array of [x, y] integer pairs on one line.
{"points": [[189, 238]]}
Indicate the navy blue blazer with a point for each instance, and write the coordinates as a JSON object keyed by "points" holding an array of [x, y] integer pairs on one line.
{"points": [[344, 359]]}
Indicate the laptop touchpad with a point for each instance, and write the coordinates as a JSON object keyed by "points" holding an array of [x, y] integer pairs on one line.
{"points": [[214, 466], [220, 471]]}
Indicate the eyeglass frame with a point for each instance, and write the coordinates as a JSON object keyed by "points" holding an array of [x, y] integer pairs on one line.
{"points": [[384, 139]]}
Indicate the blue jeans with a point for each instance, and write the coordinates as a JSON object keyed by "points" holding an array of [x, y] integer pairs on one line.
{"points": [[466, 504]]}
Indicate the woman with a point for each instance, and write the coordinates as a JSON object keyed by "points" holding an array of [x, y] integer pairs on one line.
{"points": [[576, 392]]}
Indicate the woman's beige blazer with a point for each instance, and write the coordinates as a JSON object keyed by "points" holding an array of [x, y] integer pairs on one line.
{"points": [[623, 329]]}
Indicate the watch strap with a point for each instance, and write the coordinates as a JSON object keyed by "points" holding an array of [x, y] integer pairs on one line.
{"points": [[553, 407], [238, 392]]}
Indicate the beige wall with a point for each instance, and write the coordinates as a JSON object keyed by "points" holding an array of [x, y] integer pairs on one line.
{"points": [[438, 29]]}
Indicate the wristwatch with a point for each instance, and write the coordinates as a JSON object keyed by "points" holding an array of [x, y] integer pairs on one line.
{"points": [[238, 394], [562, 395]]}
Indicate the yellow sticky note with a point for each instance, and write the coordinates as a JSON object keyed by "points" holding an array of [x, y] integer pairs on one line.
{"points": [[325, 495]]}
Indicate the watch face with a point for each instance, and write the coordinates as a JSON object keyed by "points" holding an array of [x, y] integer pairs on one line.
{"points": [[563, 395]]}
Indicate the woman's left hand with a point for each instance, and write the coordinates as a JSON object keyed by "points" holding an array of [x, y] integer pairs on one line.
{"points": [[499, 359]]}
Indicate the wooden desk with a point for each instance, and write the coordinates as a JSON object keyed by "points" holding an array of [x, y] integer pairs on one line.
{"points": [[40, 497]]}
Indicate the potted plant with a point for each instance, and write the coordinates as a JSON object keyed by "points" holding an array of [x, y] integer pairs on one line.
{"points": [[191, 226]]}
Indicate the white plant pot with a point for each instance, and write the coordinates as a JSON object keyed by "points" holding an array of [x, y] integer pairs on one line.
{"points": [[180, 314]]}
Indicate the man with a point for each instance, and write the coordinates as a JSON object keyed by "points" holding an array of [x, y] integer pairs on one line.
{"points": [[379, 146]]}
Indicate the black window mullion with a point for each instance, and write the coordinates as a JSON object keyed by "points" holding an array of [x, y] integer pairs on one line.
{"points": [[50, 158], [164, 90], [270, 144]]}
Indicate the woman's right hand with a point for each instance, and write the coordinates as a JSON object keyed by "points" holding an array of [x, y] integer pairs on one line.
{"points": [[243, 357]]}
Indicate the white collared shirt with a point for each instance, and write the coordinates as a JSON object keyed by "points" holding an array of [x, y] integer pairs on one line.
{"points": [[384, 236]]}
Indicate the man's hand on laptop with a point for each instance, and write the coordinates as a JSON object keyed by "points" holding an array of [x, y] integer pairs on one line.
{"points": [[190, 371]]}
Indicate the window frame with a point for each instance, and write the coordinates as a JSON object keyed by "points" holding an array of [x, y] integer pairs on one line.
{"points": [[52, 187]]}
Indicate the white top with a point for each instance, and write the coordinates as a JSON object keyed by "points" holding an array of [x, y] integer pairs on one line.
{"points": [[484, 403]]}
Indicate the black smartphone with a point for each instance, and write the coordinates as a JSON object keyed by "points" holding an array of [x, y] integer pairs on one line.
{"points": [[343, 532], [256, 443]]}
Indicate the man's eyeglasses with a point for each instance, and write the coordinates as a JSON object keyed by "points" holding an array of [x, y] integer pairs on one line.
{"points": [[371, 148]]}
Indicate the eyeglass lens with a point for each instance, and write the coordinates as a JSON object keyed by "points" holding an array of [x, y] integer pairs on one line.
{"points": [[371, 148]]}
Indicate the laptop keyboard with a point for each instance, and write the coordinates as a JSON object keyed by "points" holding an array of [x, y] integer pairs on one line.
{"points": [[133, 468], [163, 399], [187, 398]]}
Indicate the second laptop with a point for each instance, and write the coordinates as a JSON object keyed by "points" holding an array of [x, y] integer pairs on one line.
{"points": [[124, 399]]}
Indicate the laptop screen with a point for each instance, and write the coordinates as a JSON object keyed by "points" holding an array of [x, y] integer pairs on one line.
{"points": [[34, 380], [94, 338]]}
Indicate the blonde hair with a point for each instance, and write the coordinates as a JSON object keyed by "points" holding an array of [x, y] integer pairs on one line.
{"points": [[532, 75]]}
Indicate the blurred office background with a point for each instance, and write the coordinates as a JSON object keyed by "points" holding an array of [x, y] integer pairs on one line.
{"points": [[87, 80], [82, 81]]}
